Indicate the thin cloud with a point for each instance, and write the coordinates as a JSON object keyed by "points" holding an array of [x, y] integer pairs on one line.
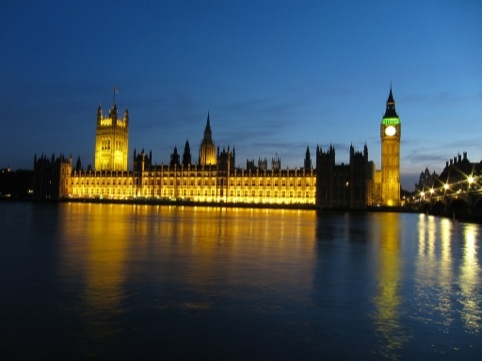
{"points": [[442, 98]]}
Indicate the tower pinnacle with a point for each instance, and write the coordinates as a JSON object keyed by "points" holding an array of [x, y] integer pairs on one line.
{"points": [[390, 111], [113, 98]]}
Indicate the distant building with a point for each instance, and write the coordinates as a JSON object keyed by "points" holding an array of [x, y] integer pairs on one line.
{"points": [[16, 184], [215, 179], [51, 177], [427, 180]]}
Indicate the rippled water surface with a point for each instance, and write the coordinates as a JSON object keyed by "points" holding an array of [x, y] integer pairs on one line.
{"points": [[100, 281]]}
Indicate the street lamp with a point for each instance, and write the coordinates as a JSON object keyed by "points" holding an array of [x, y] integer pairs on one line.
{"points": [[470, 179]]}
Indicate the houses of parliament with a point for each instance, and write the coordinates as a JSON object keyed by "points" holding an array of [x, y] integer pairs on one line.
{"points": [[213, 177]]}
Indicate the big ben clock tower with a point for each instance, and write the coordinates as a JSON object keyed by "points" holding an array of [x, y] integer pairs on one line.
{"points": [[390, 134]]}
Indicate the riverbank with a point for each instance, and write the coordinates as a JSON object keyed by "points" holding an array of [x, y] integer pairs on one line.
{"points": [[472, 218]]}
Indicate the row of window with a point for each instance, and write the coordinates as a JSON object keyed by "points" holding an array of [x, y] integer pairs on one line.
{"points": [[120, 182], [106, 144], [192, 182], [238, 174], [191, 193]]}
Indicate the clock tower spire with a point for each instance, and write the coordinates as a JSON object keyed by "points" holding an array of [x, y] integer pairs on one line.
{"points": [[390, 134], [390, 112]]}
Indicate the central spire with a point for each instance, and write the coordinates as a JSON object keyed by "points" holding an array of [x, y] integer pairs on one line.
{"points": [[207, 130], [207, 150]]}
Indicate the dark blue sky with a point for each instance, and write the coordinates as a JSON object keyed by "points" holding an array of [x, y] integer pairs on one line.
{"points": [[276, 77]]}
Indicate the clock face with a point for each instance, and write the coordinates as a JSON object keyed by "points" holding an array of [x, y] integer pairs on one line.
{"points": [[390, 131]]}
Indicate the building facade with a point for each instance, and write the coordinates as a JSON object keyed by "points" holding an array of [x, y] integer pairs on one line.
{"points": [[216, 179], [343, 186]]}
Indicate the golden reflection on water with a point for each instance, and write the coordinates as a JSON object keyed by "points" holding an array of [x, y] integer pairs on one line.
{"points": [[96, 239], [95, 242], [388, 300], [106, 246], [236, 247]]}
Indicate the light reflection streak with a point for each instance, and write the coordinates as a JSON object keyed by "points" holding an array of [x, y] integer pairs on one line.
{"points": [[434, 273], [445, 276], [388, 300], [431, 232], [421, 234], [469, 273], [440, 290]]}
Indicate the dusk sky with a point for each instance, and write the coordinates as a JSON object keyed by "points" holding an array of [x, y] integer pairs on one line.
{"points": [[275, 76]]}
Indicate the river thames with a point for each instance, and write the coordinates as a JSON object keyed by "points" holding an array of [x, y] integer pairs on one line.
{"points": [[102, 281]]}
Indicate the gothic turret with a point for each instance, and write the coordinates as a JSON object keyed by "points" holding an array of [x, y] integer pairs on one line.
{"points": [[186, 156], [307, 159], [126, 117], [113, 114], [99, 115], [175, 158]]}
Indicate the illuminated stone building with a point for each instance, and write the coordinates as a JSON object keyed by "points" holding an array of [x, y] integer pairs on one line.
{"points": [[111, 140], [220, 183], [216, 179], [390, 134]]}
